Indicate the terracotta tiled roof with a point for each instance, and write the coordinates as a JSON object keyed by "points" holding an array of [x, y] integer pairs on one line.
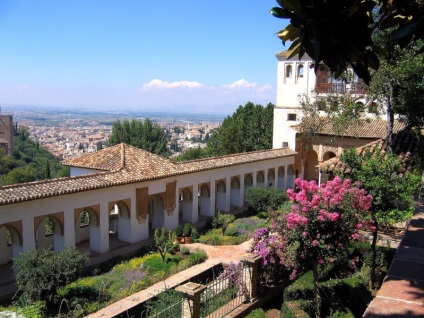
{"points": [[126, 164], [406, 145], [367, 128]]}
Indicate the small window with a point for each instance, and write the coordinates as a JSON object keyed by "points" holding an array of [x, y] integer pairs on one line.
{"points": [[291, 117], [285, 144], [300, 71], [289, 70]]}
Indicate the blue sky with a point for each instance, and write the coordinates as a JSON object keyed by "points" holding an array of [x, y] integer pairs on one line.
{"points": [[188, 55]]}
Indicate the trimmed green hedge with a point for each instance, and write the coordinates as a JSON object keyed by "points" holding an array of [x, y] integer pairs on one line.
{"points": [[349, 297]]}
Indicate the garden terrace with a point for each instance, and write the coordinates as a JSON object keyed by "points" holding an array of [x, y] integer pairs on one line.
{"points": [[119, 195]]}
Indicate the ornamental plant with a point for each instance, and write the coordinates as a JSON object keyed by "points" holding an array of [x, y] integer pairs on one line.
{"points": [[321, 225]]}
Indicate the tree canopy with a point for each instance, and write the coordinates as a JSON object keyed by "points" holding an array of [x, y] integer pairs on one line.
{"points": [[339, 33], [141, 134], [392, 189], [28, 162], [248, 129]]}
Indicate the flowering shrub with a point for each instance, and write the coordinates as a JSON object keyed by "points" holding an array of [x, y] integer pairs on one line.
{"points": [[234, 274], [321, 224]]}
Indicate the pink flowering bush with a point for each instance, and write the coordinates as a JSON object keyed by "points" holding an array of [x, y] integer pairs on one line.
{"points": [[323, 221], [321, 225]]}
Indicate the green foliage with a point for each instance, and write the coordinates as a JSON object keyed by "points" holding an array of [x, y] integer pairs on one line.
{"points": [[214, 237], [28, 162], [223, 220], [340, 34], [260, 198], [163, 241], [192, 154], [144, 135], [169, 300], [178, 231], [342, 111], [124, 279], [399, 83], [348, 297], [187, 230], [292, 309], [383, 177], [257, 313], [194, 235], [41, 272], [248, 129], [185, 251], [36, 310]]}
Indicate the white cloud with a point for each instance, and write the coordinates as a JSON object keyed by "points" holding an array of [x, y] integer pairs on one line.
{"points": [[157, 83], [239, 84]]}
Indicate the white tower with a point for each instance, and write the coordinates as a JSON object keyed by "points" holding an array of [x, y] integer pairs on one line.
{"points": [[294, 78]]}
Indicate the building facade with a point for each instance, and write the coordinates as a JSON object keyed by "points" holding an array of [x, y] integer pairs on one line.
{"points": [[297, 78], [6, 133], [120, 194]]}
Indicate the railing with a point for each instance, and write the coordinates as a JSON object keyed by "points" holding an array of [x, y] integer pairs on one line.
{"points": [[170, 304], [222, 296], [339, 88]]}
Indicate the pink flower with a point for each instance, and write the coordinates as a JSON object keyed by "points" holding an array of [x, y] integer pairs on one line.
{"points": [[315, 243], [321, 261]]}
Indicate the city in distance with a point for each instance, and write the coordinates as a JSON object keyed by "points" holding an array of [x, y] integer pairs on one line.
{"points": [[68, 133]]}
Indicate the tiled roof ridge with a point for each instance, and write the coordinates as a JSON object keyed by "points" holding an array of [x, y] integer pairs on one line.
{"points": [[56, 180], [404, 143], [229, 156], [375, 124], [122, 155], [53, 187]]}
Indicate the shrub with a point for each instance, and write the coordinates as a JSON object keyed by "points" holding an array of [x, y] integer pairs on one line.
{"points": [[187, 230], [292, 309], [257, 313], [163, 242], [41, 272], [194, 235], [260, 198], [223, 221], [35, 310], [178, 231], [209, 223], [185, 251]]}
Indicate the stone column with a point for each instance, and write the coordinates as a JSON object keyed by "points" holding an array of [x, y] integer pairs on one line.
{"points": [[69, 227], [195, 204], [228, 194], [212, 202], [285, 176], [28, 233], [191, 293], [255, 174], [252, 263], [241, 200], [266, 185]]}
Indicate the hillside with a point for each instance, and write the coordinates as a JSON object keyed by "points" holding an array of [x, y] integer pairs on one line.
{"points": [[28, 162]]}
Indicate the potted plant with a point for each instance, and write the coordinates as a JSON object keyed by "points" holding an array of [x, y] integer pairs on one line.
{"points": [[176, 247], [178, 234], [187, 232]]}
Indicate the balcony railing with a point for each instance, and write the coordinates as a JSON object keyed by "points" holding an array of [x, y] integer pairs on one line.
{"points": [[339, 88]]}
